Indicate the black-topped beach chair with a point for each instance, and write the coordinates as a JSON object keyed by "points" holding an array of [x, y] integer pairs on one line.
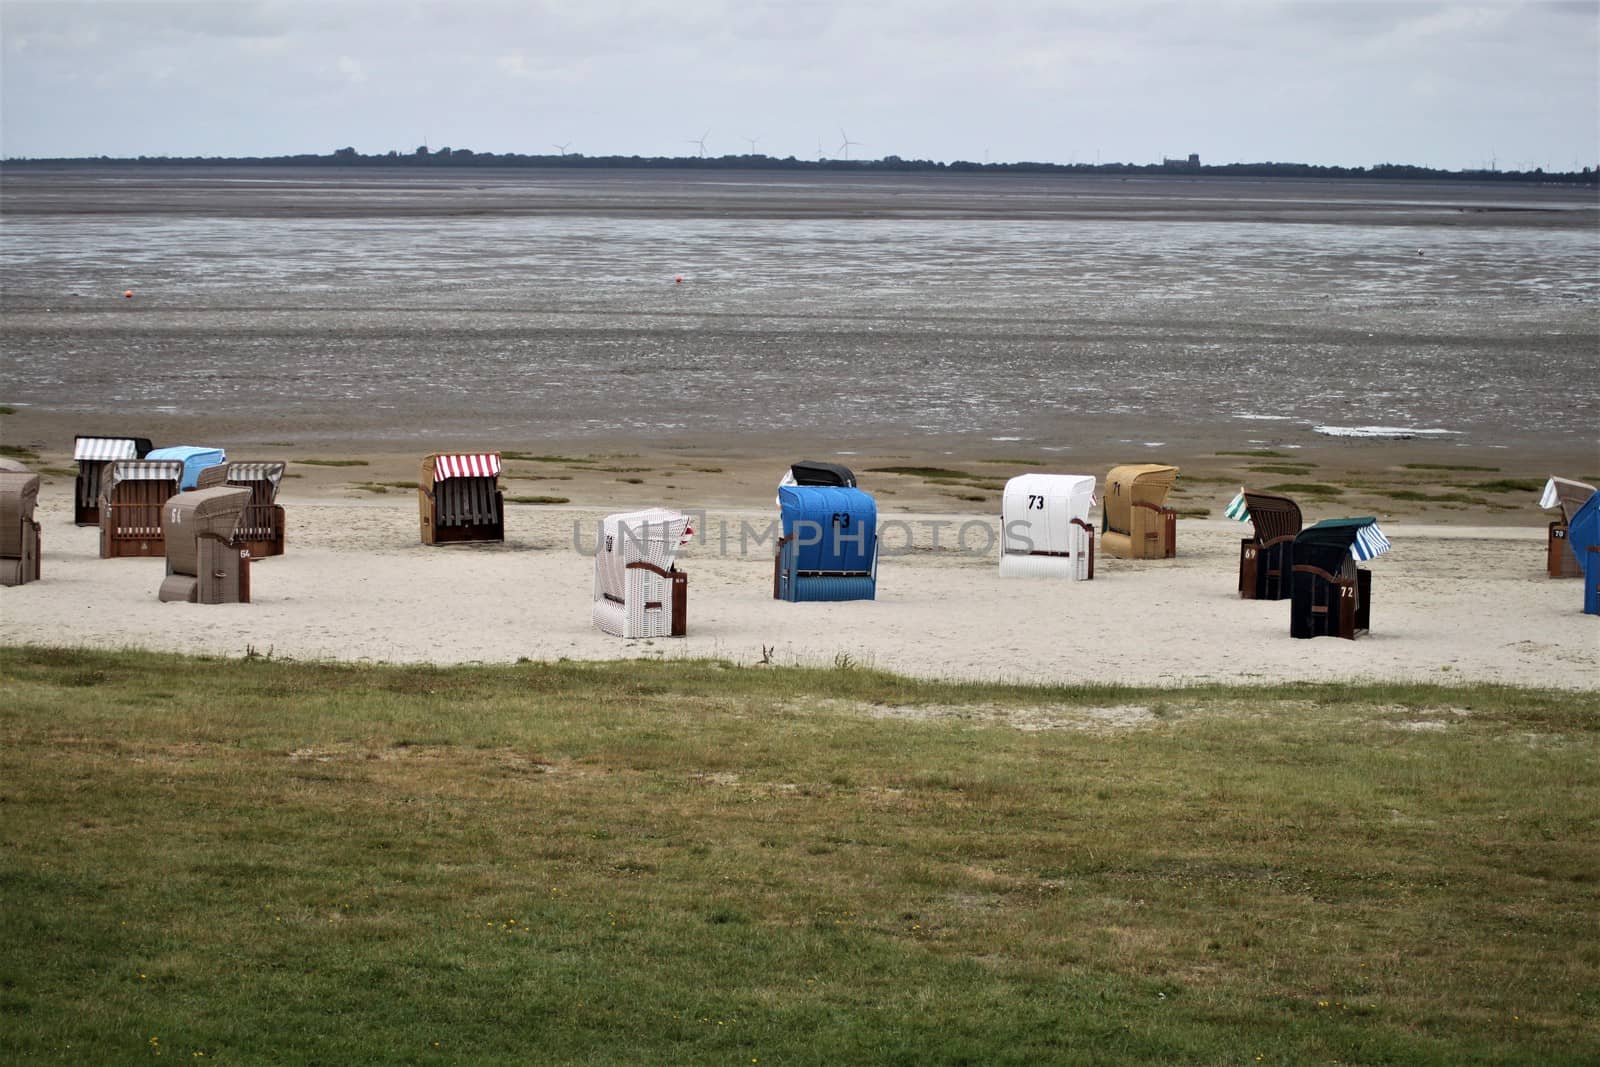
{"points": [[1331, 596]]}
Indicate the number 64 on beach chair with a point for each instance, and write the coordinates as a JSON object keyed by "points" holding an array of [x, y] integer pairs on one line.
{"points": [[459, 498]]}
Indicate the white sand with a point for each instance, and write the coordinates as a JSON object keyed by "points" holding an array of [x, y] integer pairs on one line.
{"points": [[1450, 604]]}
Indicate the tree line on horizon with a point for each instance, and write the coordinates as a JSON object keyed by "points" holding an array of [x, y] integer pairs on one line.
{"points": [[423, 156]]}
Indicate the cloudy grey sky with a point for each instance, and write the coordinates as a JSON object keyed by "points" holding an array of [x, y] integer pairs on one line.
{"points": [[1453, 85]]}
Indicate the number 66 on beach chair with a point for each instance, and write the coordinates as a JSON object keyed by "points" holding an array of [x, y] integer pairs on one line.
{"points": [[638, 590], [1044, 527], [459, 498], [829, 546]]}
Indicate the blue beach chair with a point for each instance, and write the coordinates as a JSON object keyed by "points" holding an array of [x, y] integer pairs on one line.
{"points": [[1583, 534], [829, 547]]}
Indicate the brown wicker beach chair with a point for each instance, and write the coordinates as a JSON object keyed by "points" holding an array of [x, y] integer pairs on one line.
{"points": [[205, 562], [19, 533], [459, 498], [262, 524], [94, 456], [130, 506], [1570, 495], [1266, 560], [1134, 522]]}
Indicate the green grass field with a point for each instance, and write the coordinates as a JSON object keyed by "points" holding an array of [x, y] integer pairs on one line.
{"points": [[696, 862]]}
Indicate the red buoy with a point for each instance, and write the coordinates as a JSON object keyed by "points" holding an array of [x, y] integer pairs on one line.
{"points": [[678, 280], [128, 294]]}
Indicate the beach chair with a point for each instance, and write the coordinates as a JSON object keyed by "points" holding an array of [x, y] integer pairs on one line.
{"points": [[1568, 496], [130, 506], [1583, 534], [1044, 527], [262, 524], [638, 590], [94, 456], [1134, 524], [1266, 559], [459, 498], [205, 564], [829, 546], [812, 472], [195, 458], [1330, 596], [19, 533]]}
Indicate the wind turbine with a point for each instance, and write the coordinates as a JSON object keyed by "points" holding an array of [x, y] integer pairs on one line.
{"points": [[752, 141], [844, 145], [562, 148], [701, 141]]}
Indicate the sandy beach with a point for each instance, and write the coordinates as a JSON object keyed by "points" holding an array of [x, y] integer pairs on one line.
{"points": [[1452, 603], [1417, 352]]}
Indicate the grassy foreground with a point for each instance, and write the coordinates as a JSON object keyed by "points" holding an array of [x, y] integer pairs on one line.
{"points": [[644, 862]]}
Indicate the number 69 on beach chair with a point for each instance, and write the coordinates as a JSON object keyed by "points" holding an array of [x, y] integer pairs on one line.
{"points": [[638, 590], [1044, 527], [459, 498], [1266, 560]]}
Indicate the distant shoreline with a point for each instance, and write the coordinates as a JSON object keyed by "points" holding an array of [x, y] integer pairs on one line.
{"points": [[424, 158]]}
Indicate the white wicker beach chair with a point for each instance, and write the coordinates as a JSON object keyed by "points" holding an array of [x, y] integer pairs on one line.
{"points": [[637, 590], [1044, 527]]}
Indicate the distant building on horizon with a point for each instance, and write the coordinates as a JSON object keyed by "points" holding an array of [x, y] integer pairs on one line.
{"points": [[1192, 161]]}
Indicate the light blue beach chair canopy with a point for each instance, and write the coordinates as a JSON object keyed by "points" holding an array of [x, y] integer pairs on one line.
{"points": [[835, 527], [195, 459]]}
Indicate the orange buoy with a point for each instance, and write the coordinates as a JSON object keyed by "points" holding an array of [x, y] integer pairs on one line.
{"points": [[128, 294]]}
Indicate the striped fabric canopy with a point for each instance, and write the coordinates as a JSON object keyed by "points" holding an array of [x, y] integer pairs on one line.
{"points": [[146, 470], [1236, 509], [1370, 542], [256, 472], [466, 465], [104, 449]]}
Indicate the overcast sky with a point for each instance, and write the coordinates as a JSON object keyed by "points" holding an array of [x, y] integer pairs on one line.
{"points": [[1452, 85]]}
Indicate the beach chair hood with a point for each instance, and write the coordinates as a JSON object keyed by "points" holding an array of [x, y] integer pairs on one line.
{"points": [[87, 449], [835, 527], [1039, 512], [812, 472], [1134, 483], [195, 458], [1584, 535], [19, 495], [198, 513]]}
